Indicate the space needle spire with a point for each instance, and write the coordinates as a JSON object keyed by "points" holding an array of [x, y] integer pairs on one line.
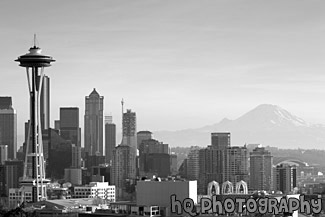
{"points": [[34, 179]]}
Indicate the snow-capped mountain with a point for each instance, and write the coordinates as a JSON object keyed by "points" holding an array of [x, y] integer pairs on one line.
{"points": [[266, 124]]}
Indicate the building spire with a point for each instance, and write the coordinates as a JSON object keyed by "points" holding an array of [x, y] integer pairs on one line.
{"points": [[122, 103], [34, 39]]}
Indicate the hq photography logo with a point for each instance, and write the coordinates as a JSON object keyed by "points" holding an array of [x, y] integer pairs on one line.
{"points": [[241, 205]]}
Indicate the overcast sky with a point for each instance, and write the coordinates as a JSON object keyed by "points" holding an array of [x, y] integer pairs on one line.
{"points": [[177, 63]]}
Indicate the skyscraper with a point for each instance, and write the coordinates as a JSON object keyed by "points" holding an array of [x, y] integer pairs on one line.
{"points": [[285, 178], [70, 131], [130, 136], [124, 156], [154, 158], [130, 129], [69, 125], [14, 171], [45, 103], [209, 168], [143, 135], [220, 140], [261, 173], [236, 164], [94, 123], [8, 126], [123, 168], [110, 138], [60, 155], [193, 163], [213, 161]]}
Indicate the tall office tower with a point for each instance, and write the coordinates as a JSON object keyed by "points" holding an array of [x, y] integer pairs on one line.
{"points": [[220, 140], [34, 180], [8, 126], [154, 158], [110, 138], [143, 135], [130, 129], [209, 168], [236, 164], [285, 178], [69, 125], [94, 123], [124, 155], [193, 163], [3, 153], [59, 155], [129, 137], [261, 173], [14, 171], [93, 160], [173, 164], [213, 161], [76, 156], [45, 103], [123, 169]]}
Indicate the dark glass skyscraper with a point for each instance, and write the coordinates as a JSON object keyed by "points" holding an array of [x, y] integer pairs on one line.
{"points": [[8, 126], [94, 106], [220, 140], [285, 178], [143, 135], [154, 158], [110, 138], [69, 125]]}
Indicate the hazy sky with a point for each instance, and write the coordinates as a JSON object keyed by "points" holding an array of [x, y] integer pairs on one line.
{"points": [[177, 63]]}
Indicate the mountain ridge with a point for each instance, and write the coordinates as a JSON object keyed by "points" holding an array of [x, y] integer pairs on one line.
{"points": [[266, 124]]}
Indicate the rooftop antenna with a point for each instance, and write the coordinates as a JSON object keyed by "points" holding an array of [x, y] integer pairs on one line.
{"points": [[34, 40], [122, 102]]}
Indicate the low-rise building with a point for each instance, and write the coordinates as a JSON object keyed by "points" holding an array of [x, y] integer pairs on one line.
{"points": [[18, 195], [95, 190], [147, 192]]}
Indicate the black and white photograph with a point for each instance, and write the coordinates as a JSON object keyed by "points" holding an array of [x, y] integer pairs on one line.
{"points": [[162, 108]]}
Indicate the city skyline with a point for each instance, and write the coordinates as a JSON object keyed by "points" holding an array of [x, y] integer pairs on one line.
{"points": [[153, 54]]}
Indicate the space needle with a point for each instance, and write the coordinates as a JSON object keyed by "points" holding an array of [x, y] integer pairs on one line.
{"points": [[34, 180]]}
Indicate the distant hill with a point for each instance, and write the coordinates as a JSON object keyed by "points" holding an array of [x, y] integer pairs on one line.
{"points": [[266, 124]]}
